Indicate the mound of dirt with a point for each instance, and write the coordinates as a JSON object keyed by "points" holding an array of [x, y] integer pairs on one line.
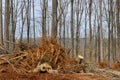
{"points": [[7, 73], [20, 64], [25, 59]]}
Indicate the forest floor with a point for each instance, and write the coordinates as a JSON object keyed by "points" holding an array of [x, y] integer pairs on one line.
{"points": [[7, 73], [22, 64]]}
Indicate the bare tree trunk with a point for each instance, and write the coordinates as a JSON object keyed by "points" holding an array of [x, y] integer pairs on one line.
{"points": [[85, 46], [34, 22], [72, 28], [95, 36], [13, 16], [48, 28], [64, 28], [21, 35], [109, 37], [112, 31], [118, 23], [78, 28], [100, 28], [90, 26], [54, 18], [67, 34], [12, 23], [1, 24], [44, 10], [60, 22], [28, 21], [77, 35], [79, 12], [62, 8], [6, 23], [60, 31]]}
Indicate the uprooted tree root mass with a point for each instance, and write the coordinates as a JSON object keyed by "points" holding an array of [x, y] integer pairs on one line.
{"points": [[25, 59]]}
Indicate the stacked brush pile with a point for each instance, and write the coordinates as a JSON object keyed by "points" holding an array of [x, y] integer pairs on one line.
{"points": [[48, 57]]}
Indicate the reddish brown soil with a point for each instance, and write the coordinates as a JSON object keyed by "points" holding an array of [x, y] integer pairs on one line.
{"points": [[103, 65], [18, 65], [7, 73], [50, 77], [116, 66]]}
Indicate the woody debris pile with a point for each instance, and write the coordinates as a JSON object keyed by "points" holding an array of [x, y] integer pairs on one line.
{"points": [[48, 57]]}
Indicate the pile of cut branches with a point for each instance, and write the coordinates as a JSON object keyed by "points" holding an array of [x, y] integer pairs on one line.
{"points": [[25, 60]]}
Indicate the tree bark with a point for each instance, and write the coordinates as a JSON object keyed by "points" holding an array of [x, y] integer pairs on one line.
{"points": [[33, 22], [109, 30], [1, 24], [85, 46], [12, 35], [64, 28], [90, 26], [72, 28], [28, 20], [54, 19], [44, 10], [21, 34], [118, 23], [6, 23], [100, 32]]}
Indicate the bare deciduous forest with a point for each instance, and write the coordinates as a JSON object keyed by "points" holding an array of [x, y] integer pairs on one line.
{"points": [[70, 37]]}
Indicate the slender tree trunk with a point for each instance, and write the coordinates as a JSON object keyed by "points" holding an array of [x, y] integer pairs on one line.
{"points": [[77, 34], [118, 23], [72, 28], [100, 26], [85, 46], [68, 35], [54, 19], [60, 30], [77, 27], [95, 37], [64, 28], [6, 23], [60, 22], [112, 31], [1, 24], [44, 10], [28, 21], [115, 42], [33, 22], [90, 26], [21, 35], [115, 39], [48, 30], [109, 37], [12, 37], [12, 23]]}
